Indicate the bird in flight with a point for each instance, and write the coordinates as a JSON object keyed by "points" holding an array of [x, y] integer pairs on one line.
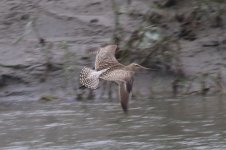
{"points": [[108, 68]]}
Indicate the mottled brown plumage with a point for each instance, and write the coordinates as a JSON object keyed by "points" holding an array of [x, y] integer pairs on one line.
{"points": [[108, 68]]}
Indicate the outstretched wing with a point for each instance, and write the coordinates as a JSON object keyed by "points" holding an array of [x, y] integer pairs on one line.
{"points": [[105, 57], [125, 83], [124, 92]]}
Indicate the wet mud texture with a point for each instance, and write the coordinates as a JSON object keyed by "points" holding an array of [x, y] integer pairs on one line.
{"points": [[46, 60]]}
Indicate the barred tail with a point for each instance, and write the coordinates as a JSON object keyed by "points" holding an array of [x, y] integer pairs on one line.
{"points": [[89, 78]]}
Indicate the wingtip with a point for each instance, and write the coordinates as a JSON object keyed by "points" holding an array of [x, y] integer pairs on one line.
{"points": [[124, 97], [124, 107], [111, 47]]}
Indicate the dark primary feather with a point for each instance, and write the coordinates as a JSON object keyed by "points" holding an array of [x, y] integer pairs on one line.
{"points": [[124, 96], [129, 85]]}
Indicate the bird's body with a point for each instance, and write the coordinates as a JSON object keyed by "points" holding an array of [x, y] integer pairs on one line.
{"points": [[108, 68]]}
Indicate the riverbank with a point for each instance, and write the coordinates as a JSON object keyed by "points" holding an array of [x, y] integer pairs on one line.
{"points": [[46, 65]]}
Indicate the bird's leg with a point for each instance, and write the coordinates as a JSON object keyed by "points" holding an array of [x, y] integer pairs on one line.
{"points": [[91, 94], [82, 87], [80, 93]]}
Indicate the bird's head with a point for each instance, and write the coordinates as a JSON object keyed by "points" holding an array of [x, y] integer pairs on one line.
{"points": [[135, 67]]}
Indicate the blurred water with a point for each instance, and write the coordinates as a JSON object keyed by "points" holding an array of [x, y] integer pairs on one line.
{"points": [[165, 123]]}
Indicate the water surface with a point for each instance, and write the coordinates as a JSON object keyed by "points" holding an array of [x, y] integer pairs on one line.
{"points": [[158, 124]]}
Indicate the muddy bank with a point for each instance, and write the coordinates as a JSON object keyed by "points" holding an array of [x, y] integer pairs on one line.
{"points": [[45, 60]]}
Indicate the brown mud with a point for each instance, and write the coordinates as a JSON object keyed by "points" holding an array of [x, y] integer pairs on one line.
{"points": [[46, 65]]}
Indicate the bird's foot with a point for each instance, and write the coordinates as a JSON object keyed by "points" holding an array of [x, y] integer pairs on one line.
{"points": [[82, 87]]}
